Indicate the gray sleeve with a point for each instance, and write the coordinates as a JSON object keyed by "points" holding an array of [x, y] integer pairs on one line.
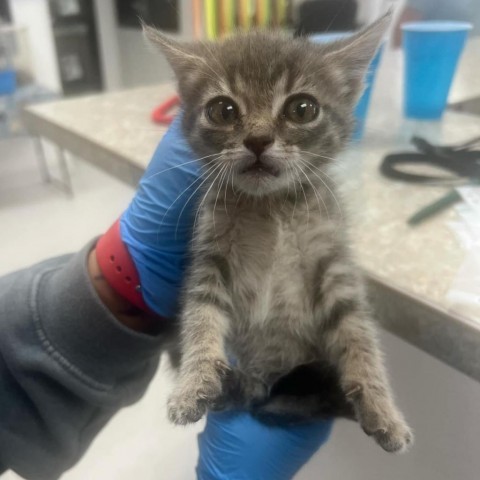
{"points": [[66, 366]]}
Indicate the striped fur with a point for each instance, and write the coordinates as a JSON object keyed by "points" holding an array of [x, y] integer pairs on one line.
{"points": [[272, 284]]}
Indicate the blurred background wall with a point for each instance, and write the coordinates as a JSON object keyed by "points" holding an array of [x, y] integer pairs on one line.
{"points": [[59, 30], [35, 15]]}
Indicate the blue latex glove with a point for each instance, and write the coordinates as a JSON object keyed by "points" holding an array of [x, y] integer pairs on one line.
{"points": [[157, 226], [236, 446]]}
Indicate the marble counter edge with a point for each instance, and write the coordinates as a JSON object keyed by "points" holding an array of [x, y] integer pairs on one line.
{"points": [[446, 335], [90, 151]]}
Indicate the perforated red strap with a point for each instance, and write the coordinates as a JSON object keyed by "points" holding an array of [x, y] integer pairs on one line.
{"points": [[118, 268]]}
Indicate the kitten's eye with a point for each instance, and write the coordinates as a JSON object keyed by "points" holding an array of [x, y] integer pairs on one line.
{"points": [[301, 109], [222, 111]]}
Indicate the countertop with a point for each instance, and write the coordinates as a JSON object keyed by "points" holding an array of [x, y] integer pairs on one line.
{"points": [[409, 269]]}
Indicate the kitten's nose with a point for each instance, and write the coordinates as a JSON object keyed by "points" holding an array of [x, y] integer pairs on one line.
{"points": [[258, 144]]}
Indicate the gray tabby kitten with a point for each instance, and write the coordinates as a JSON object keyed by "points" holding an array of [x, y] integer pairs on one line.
{"points": [[272, 284]]}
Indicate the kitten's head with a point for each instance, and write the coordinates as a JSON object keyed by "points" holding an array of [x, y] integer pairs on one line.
{"points": [[262, 99]]}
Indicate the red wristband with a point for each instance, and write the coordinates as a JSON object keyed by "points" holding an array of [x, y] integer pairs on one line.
{"points": [[118, 268]]}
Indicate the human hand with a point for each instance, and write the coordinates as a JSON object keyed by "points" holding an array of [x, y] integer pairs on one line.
{"points": [[157, 225], [236, 446]]}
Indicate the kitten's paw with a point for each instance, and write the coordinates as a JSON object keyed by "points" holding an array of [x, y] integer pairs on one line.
{"points": [[185, 408], [197, 392], [380, 419], [390, 432], [395, 437]]}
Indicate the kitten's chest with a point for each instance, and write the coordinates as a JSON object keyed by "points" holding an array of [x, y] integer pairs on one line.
{"points": [[271, 261]]}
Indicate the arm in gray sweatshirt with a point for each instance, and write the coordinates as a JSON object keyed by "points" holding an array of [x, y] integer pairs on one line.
{"points": [[66, 366]]}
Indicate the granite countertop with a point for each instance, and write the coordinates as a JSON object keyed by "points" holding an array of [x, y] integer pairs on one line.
{"points": [[117, 125], [422, 259], [411, 268]]}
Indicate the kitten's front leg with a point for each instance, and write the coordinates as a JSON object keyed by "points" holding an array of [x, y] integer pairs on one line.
{"points": [[350, 340], [365, 383], [204, 327]]}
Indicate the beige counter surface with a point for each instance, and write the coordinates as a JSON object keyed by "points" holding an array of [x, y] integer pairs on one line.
{"points": [[410, 269], [422, 259]]}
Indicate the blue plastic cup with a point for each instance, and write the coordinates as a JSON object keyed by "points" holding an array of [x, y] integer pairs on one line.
{"points": [[7, 81], [432, 50], [361, 108]]}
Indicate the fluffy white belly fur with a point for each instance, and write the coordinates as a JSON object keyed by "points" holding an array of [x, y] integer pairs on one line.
{"points": [[271, 271], [271, 288]]}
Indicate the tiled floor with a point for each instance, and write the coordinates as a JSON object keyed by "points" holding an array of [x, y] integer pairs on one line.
{"points": [[38, 221]]}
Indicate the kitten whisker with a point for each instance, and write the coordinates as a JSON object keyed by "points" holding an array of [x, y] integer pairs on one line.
{"points": [[238, 198], [218, 167], [315, 192], [185, 163], [205, 197], [304, 195], [181, 194], [316, 167], [219, 188], [210, 172], [230, 174], [306, 163], [318, 155], [296, 196], [235, 191]]}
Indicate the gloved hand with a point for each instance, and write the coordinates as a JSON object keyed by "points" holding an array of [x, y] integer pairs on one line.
{"points": [[236, 446], [157, 226]]}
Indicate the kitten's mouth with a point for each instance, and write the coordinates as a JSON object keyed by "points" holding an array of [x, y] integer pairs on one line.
{"points": [[260, 169]]}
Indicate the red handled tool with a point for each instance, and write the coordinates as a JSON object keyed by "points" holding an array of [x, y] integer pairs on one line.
{"points": [[161, 114]]}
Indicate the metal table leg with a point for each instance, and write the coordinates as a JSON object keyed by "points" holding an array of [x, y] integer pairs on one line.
{"points": [[65, 181], [42, 161]]}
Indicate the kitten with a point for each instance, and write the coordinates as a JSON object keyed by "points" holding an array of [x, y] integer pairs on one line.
{"points": [[272, 285]]}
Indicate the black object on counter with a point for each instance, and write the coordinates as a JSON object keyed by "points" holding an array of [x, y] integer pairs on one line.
{"points": [[462, 160]]}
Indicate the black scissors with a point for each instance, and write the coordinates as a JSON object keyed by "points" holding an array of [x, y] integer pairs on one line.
{"points": [[462, 161]]}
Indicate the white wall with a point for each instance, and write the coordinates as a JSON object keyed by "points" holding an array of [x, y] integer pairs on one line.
{"points": [[126, 59], [106, 23], [368, 10], [140, 63], [34, 15]]}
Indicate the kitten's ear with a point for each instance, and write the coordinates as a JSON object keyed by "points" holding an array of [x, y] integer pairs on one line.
{"points": [[180, 55], [354, 54]]}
